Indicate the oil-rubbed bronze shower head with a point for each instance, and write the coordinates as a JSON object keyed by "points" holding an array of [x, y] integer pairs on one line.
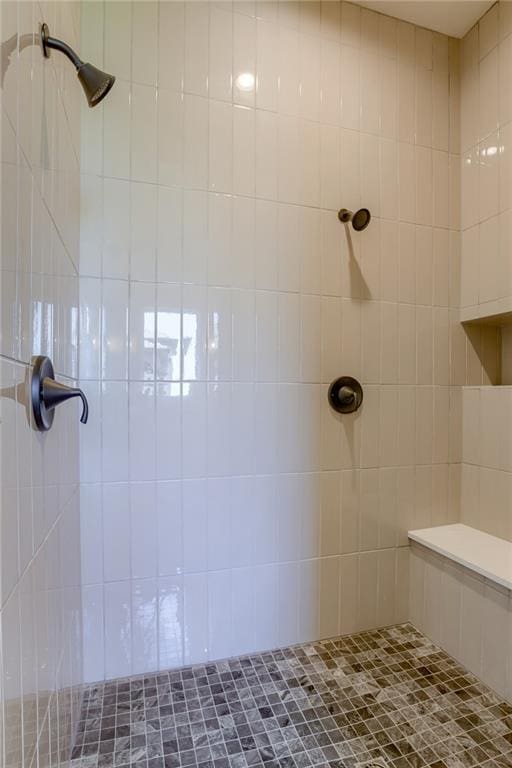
{"points": [[360, 219], [96, 84]]}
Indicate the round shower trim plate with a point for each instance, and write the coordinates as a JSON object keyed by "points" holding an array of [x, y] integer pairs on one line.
{"points": [[44, 34]]}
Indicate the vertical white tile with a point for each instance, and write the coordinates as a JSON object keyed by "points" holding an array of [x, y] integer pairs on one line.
{"points": [[219, 446], [90, 439], [91, 204], [267, 138], [90, 318], [144, 42], [243, 606], [195, 618], [496, 643], [118, 629], [289, 340], [170, 528], [267, 53], [350, 85], [423, 106], [114, 329], [329, 583], [424, 186], [406, 183], [266, 307], [194, 429], [144, 625], [171, 45], [143, 530], [370, 164], [389, 102], [219, 614], [170, 622], [142, 331], [195, 149], [143, 222], [116, 229], [220, 256], [308, 606], [330, 158], [488, 105], [289, 71], [118, 28], [114, 411], [370, 92], [170, 235], [91, 534], [389, 193], [368, 584], [171, 139], [488, 32], [488, 177], [266, 606], [244, 59], [196, 48], [309, 77], [330, 105], [221, 146], [221, 54], [116, 532], [93, 633], [244, 150], [310, 333], [504, 64], [116, 131]]}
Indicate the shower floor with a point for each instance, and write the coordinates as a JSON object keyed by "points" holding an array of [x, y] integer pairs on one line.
{"points": [[382, 698]]}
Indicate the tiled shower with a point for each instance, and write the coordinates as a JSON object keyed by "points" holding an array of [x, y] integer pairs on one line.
{"points": [[219, 294], [215, 570]]}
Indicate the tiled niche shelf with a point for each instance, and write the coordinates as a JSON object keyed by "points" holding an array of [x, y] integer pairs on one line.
{"points": [[488, 329], [498, 312]]}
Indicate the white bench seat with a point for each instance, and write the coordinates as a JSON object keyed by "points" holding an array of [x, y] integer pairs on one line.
{"points": [[482, 553]]}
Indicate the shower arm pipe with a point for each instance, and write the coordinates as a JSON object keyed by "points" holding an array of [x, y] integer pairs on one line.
{"points": [[58, 45], [95, 83]]}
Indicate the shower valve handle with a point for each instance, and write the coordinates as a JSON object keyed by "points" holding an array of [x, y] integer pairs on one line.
{"points": [[345, 395], [48, 393], [54, 393]]}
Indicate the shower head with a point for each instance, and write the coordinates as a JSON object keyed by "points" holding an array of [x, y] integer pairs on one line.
{"points": [[360, 219], [96, 84]]}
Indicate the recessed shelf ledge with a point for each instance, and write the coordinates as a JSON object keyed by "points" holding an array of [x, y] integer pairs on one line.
{"points": [[498, 312], [480, 552]]}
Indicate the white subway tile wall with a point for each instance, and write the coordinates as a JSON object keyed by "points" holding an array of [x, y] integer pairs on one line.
{"points": [[487, 457], [40, 596], [486, 170], [227, 508], [486, 274]]}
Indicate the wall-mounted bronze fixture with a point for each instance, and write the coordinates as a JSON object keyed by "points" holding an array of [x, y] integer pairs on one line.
{"points": [[345, 395], [47, 393], [360, 219], [96, 84]]}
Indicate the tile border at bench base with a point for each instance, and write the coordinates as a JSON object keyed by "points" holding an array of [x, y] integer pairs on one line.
{"points": [[467, 615]]}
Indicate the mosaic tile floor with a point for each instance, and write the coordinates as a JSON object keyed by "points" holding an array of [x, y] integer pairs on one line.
{"points": [[380, 698]]}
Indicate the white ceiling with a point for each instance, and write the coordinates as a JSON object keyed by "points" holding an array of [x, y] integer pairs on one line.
{"points": [[452, 17]]}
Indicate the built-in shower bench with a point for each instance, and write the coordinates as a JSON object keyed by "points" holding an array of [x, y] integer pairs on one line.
{"points": [[480, 552], [460, 595]]}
